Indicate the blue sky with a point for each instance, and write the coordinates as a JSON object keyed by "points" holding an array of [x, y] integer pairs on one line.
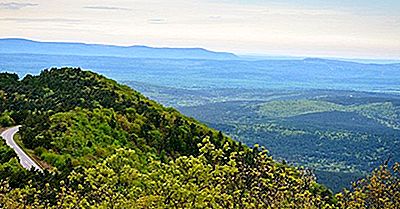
{"points": [[353, 29]]}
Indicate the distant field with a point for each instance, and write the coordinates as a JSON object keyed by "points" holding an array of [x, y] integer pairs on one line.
{"points": [[386, 113]]}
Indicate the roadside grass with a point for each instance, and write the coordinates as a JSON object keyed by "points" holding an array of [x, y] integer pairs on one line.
{"points": [[31, 153]]}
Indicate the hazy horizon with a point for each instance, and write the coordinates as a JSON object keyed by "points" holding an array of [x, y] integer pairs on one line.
{"points": [[246, 56], [308, 28]]}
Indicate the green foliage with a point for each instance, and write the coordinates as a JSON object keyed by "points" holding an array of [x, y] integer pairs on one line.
{"points": [[10, 167], [216, 178], [70, 115], [82, 135], [379, 190], [114, 148], [6, 120], [8, 79], [6, 153]]}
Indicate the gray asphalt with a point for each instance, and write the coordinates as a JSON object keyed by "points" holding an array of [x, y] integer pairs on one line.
{"points": [[24, 159]]}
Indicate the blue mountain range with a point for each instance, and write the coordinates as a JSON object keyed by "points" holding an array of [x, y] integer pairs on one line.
{"points": [[16, 45]]}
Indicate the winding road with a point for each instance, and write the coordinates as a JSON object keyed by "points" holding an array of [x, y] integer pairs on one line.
{"points": [[24, 159]]}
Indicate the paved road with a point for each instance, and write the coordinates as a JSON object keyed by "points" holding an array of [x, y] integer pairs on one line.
{"points": [[24, 159]]}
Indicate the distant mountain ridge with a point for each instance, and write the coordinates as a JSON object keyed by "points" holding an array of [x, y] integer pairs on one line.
{"points": [[17, 45]]}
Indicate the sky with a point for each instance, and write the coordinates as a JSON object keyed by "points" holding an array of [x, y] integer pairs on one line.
{"points": [[339, 28]]}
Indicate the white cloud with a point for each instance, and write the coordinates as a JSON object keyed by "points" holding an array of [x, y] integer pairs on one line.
{"points": [[16, 5], [157, 21], [106, 8], [40, 20]]}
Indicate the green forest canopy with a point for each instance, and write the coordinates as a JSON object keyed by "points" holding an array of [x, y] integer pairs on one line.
{"points": [[108, 146]]}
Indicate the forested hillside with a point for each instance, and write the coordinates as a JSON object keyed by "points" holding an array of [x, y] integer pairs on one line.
{"points": [[341, 135], [107, 146]]}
